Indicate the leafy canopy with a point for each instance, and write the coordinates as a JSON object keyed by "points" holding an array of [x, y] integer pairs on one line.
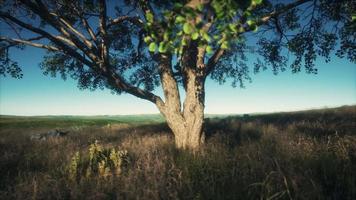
{"points": [[136, 32]]}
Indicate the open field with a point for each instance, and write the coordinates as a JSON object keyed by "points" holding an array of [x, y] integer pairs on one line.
{"points": [[300, 155]]}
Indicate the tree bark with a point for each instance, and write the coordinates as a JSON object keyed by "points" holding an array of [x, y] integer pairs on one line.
{"points": [[190, 135], [187, 123], [188, 128]]}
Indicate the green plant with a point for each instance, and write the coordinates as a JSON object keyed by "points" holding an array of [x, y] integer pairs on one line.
{"points": [[98, 162]]}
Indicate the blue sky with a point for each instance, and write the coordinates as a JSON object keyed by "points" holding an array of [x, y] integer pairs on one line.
{"points": [[37, 94]]}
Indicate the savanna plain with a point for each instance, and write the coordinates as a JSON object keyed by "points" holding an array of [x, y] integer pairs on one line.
{"points": [[296, 155]]}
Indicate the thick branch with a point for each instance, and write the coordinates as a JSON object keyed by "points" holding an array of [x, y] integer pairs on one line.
{"points": [[103, 32], [102, 17], [213, 60], [108, 70], [169, 83], [143, 94]]}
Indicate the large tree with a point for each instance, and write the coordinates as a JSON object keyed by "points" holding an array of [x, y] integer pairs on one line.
{"points": [[132, 46]]}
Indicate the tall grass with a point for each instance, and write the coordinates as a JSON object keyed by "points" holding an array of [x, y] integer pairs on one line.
{"points": [[258, 157]]}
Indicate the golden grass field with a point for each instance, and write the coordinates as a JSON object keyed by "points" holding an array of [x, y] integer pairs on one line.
{"points": [[300, 155]]}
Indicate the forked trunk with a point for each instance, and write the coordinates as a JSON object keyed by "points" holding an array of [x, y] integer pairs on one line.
{"points": [[187, 125], [188, 132]]}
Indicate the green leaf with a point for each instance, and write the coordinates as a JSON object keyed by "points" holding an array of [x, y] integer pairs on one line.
{"points": [[162, 47], [250, 22], [221, 40], [147, 39], [209, 50], [177, 6], [180, 33], [195, 35], [187, 28], [180, 19], [184, 41], [252, 25], [180, 51], [176, 50], [220, 14], [241, 29], [149, 17], [189, 12], [152, 47], [200, 7], [217, 7], [233, 28], [257, 1], [248, 13], [167, 14], [153, 36], [225, 45], [254, 28], [166, 36], [206, 37]]}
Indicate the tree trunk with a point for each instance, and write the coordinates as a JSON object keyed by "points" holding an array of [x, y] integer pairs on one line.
{"points": [[187, 125], [188, 134]]}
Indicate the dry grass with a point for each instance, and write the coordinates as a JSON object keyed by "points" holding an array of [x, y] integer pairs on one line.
{"points": [[261, 157]]}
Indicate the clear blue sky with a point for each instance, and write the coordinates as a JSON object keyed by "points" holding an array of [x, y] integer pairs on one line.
{"points": [[37, 94]]}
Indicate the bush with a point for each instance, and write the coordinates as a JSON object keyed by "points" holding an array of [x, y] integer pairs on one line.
{"points": [[97, 162]]}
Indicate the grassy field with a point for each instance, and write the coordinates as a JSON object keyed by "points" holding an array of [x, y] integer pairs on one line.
{"points": [[300, 155], [75, 121]]}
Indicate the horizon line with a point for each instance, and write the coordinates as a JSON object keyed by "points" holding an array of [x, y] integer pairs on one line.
{"points": [[142, 114]]}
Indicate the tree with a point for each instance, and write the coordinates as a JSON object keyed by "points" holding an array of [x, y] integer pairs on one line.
{"points": [[132, 46]]}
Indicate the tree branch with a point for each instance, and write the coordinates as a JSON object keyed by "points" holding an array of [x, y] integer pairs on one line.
{"points": [[146, 7], [136, 91], [219, 52], [67, 41], [134, 20], [89, 29], [28, 42], [41, 10], [54, 39], [103, 32], [274, 14], [280, 11], [17, 32], [81, 15], [71, 28], [213, 60]]}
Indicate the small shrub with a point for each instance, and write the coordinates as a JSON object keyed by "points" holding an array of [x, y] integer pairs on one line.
{"points": [[98, 162]]}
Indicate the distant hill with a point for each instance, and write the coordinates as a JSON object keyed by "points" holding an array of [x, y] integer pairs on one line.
{"points": [[348, 112]]}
